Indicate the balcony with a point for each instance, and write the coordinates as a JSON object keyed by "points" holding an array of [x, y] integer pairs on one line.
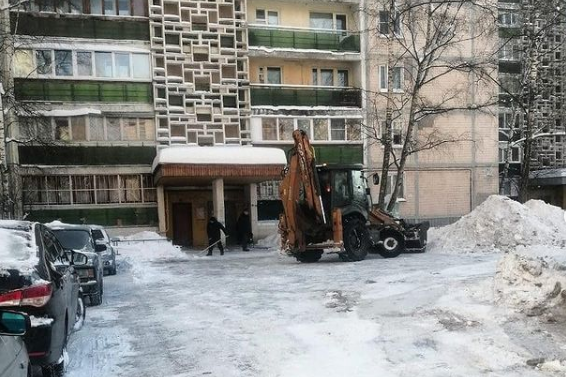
{"points": [[324, 40], [82, 91], [305, 96]]}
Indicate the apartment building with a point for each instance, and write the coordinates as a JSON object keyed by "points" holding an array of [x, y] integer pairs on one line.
{"points": [[86, 125], [518, 19]]}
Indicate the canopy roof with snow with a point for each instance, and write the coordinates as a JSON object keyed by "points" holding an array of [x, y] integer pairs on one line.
{"points": [[237, 164]]}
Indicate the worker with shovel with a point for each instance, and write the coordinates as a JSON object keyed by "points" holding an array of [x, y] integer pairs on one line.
{"points": [[213, 229]]}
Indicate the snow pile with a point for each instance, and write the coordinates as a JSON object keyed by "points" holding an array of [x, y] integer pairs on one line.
{"points": [[533, 280], [145, 235], [17, 250], [272, 242], [501, 223]]}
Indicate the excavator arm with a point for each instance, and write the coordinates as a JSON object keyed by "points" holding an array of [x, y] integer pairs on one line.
{"points": [[300, 194]]}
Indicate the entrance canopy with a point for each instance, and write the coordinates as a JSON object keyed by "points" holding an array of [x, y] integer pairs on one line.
{"points": [[548, 177], [176, 166]]}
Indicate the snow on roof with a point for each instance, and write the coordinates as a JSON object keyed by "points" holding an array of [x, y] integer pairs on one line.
{"points": [[229, 155], [18, 249]]}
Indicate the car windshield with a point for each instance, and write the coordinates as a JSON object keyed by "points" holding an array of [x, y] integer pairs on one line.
{"points": [[73, 238]]}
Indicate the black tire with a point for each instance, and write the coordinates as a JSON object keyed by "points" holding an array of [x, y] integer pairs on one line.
{"points": [[54, 370], [112, 271], [80, 315], [393, 244], [356, 241], [309, 256], [95, 299]]}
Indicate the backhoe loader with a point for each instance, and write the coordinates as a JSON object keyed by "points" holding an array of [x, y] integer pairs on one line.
{"points": [[328, 207]]}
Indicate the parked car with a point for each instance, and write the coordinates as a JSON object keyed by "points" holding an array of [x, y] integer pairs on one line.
{"points": [[37, 277], [14, 361], [107, 251], [78, 238]]}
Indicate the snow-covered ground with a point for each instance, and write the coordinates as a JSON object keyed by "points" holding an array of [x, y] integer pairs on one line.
{"points": [[487, 299], [262, 314]]}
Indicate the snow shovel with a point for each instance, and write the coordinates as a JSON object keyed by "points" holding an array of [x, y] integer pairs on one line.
{"points": [[209, 246]]}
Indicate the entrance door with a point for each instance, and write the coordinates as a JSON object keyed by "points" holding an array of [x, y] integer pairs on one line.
{"points": [[231, 215], [182, 224]]}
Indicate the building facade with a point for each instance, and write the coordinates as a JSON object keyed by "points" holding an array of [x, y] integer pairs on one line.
{"points": [[532, 46], [85, 119]]}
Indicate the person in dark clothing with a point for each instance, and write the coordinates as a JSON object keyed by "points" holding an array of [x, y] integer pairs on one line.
{"points": [[213, 229], [244, 229]]}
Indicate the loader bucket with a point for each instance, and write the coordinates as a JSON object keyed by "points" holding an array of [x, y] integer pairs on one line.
{"points": [[416, 237]]}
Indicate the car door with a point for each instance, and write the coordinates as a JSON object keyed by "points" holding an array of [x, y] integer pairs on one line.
{"points": [[8, 362], [65, 289]]}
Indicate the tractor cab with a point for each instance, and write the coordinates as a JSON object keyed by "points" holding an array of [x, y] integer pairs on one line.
{"points": [[344, 187]]}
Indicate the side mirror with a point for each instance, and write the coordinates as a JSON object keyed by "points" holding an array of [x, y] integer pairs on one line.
{"points": [[376, 179], [13, 323], [78, 259], [99, 247]]}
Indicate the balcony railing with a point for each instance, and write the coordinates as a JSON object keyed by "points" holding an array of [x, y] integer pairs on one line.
{"points": [[305, 96], [81, 91], [304, 39]]}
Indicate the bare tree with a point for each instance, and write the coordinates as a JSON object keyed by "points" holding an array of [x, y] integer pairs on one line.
{"points": [[439, 61]]}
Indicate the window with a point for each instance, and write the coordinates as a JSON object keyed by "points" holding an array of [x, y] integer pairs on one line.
{"points": [[113, 132], [109, 7], [23, 63], [507, 120], [341, 22], [96, 6], [96, 128], [327, 77], [62, 130], [320, 129], [508, 18], [514, 156], [338, 129], [122, 65], [88, 189], [397, 79], [385, 22], [353, 129], [103, 62], [396, 133], [44, 60], [286, 128], [269, 128], [321, 21], [124, 7], [84, 63], [305, 125], [63, 63], [273, 75], [391, 185], [270, 17], [315, 77], [78, 128], [343, 78], [511, 50], [130, 186]]}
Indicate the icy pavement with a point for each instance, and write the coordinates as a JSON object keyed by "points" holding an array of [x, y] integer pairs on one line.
{"points": [[262, 314]]}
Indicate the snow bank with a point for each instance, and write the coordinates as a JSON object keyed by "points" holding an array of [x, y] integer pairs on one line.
{"points": [[159, 249], [501, 223], [273, 241], [145, 235], [532, 280], [17, 250]]}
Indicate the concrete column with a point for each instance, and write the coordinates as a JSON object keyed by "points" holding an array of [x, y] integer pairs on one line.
{"points": [[218, 202], [252, 198], [161, 213]]}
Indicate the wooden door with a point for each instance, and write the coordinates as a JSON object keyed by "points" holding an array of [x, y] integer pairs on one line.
{"points": [[182, 224]]}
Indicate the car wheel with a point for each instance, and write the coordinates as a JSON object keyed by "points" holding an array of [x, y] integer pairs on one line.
{"points": [[113, 270], [356, 241], [310, 256], [57, 369], [95, 299], [393, 244], [80, 315]]}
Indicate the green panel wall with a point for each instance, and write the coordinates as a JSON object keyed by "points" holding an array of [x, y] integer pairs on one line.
{"points": [[303, 40], [29, 24], [336, 154], [81, 91], [75, 155], [105, 216]]}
